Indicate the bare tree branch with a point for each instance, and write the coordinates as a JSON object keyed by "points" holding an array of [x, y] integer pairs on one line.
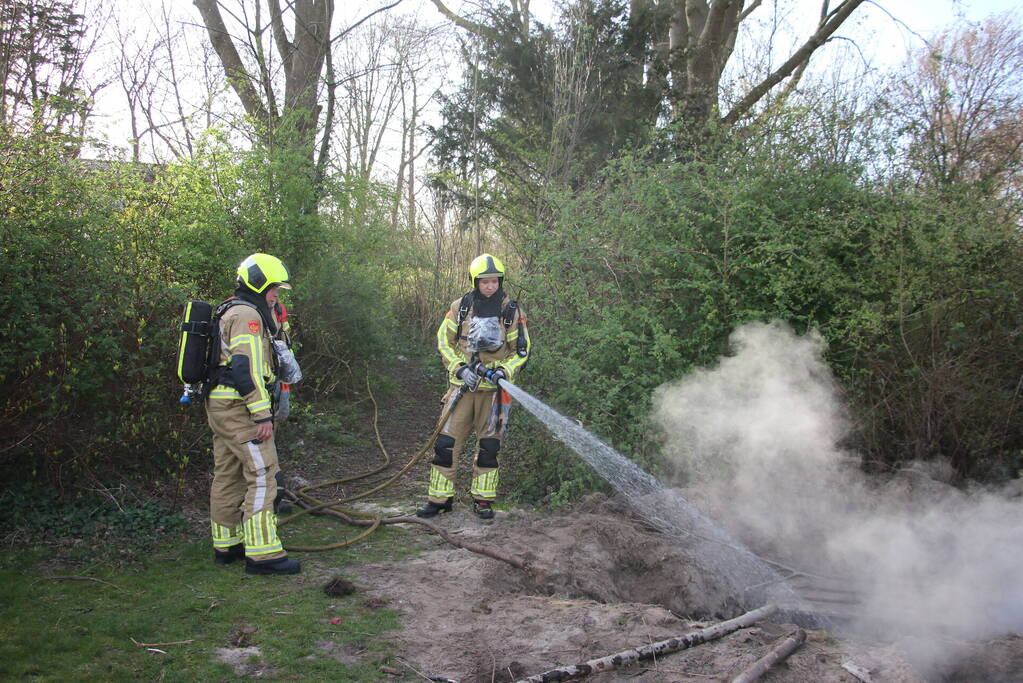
{"points": [[839, 15], [366, 18], [460, 22], [237, 75]]}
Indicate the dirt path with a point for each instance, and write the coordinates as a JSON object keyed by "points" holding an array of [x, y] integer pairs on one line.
{"points": [[407, 405]]}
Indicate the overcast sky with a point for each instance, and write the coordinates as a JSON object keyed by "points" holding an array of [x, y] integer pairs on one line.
{"points": [[925, 17]]}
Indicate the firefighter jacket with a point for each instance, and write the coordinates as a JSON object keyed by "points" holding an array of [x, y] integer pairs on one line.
{"points": [[246, 361], [511, 356]]}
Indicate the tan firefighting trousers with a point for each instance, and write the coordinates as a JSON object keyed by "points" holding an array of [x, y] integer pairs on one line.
{"points": [[244, 483], [487, 413]]}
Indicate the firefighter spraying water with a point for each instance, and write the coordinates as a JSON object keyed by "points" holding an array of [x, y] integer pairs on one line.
{"points": [[482, 339]]}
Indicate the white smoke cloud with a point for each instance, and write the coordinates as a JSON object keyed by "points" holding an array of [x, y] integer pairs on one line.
{"points": [[756, 441]]}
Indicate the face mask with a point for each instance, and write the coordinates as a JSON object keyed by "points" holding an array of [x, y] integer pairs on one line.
{"points": [[484, 334]]}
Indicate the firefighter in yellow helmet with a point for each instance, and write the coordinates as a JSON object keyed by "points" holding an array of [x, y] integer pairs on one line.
{"points": [[482, 340], [245, 467]]}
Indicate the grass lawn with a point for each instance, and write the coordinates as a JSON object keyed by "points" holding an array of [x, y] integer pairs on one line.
{"points": [[166, 613]]}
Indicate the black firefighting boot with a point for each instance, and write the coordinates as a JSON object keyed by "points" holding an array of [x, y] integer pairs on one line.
{"points": [[281, 506], [432, 509], [483, 509], [281, 565], [229, 555]]}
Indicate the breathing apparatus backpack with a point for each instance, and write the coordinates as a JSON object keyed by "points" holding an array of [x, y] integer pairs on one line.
{"points": [[199, 349], [194, 347], [199, 345]]}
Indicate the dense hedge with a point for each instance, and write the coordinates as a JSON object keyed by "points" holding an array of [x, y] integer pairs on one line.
{"points": [[645, 275], [640, 278]]}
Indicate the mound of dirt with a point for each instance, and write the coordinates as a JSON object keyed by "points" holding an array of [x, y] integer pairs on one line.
{"points": [[606, 558], [605, 584]]}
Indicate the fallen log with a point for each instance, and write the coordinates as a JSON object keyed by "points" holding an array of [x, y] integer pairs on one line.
{"points": [[567, 673], [777, 653]]}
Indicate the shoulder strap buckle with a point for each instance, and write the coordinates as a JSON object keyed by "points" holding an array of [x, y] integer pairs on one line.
{"points": [[509, 314], [463, 308]]}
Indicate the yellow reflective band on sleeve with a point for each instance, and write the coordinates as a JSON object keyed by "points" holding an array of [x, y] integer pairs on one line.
{"points": [[256, 365], [512, 364], [256, 406], [485, 485], [440, 486], [449, 353], [261, 534]]}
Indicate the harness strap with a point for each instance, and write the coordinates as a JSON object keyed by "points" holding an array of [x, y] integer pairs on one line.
{"points": [[200, 327], [507, 315]]}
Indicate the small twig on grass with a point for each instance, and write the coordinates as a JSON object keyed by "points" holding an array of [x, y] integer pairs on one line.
{"points": [[176, 642], [76, 578], [417, 671], [680, 673]]}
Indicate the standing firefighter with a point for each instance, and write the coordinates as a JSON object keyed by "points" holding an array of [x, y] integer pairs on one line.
{"points": [[239, 410], [482, 339]]}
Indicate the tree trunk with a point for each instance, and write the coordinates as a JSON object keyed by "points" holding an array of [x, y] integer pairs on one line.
{"points": [[303, 59], [237, 76], [711, 31], [302, 56]]}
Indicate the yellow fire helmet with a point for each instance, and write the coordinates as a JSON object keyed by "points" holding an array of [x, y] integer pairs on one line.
{"points": [[486, 265], [258, 272]]}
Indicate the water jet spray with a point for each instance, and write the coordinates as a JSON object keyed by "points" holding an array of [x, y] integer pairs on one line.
{"points": [[752, 580]]}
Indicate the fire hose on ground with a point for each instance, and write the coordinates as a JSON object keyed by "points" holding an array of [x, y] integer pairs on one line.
{"points": [[313, 505]]}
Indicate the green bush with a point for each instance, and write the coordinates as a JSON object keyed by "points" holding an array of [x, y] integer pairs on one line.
{"points": [[122, 521], [645, 275], [97, 262]]}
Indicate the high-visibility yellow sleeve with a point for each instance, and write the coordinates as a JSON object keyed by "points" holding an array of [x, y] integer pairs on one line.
{"points": [[515, 362], [250, 367], [447, 342]]}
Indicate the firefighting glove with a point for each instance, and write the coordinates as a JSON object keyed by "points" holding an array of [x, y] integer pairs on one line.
{"points": [[470, 380]]}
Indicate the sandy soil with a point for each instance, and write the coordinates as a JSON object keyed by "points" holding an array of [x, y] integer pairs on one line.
{"points": [[606, 583]]}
